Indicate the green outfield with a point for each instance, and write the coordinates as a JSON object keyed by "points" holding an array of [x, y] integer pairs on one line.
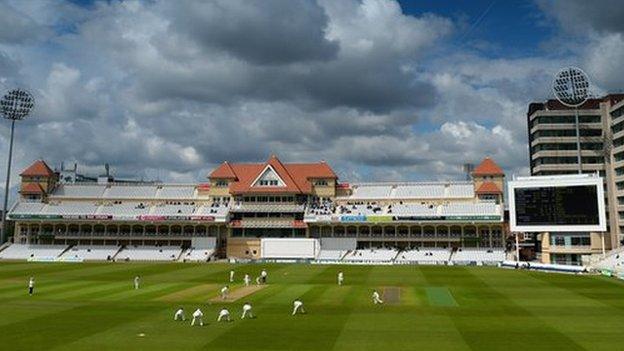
{"points": [[95, 307]]}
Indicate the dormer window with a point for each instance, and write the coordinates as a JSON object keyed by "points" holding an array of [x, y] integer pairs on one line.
{"points": [[221, 183], [321, 182], [269, 178]]}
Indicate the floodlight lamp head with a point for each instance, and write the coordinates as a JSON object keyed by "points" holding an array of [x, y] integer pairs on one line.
{"points": [[16, 104], [571, 87]]}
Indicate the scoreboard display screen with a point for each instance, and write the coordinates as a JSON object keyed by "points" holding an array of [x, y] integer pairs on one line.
{"points": [[569, 205]]}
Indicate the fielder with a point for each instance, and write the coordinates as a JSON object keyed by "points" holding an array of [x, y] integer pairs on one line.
{"points": [[231, 276], [263, 276], [137, 282], [224, 315], [247, 279], [376, 298], [340, 278], [31, 285], [298, 307], [257, 280], [198, 316], [225, 291], [247, 311], [179, 315]]}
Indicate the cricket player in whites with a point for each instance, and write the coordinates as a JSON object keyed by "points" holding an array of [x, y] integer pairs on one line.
{"points": [[247, 311], [376, 298], [298, 307], [225, 291], [179, 315], [137, 282], [31, 285], [340, 278], [198, 317], [247, 279], [224, 315], [232, 276], [263, 276]]}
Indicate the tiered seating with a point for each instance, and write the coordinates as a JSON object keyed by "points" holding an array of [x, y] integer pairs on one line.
{"points": [[215, 209], [361, 209], [416, 190], [24, 251], [419, 191], [95, 253], [371, 255], [326, 208], [197, 255], [79, 191], [69, 208], [175, 192], [172, 210], [478, 255], [460, 190], [413, 209], [425, 255], [130, 192], [149, 253], [331, 255], [124, 209], [28, 208], [470, 209], [371, 191]]}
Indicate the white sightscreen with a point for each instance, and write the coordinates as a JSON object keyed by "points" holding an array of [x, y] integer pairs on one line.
{"points": [[289, 248]]}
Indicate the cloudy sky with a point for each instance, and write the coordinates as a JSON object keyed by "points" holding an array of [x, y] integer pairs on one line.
{"points": [[383, 90]]}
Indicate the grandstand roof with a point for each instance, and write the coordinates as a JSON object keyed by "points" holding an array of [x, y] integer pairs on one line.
{"points": [[223, 171], [38, 168], [488, 167], [32, 188], [296, 176], [489, 188]]}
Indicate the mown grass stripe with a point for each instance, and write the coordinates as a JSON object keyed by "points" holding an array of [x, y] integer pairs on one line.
{"points": [[144, 293], [78, 322], [195, 293], [43, 290], [440, 297]]}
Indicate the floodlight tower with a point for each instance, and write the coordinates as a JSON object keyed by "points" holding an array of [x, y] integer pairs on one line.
{"points": [[571, 87], [15, 105]]}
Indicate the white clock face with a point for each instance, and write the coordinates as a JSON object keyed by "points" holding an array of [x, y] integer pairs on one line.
{"points": [[571, 86]]}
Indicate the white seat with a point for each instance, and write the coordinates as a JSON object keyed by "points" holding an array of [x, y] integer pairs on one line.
{"points": [[149, 253], [88, 253], [25, 251]]}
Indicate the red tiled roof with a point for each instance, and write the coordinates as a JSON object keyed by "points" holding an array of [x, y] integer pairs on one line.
{"points": [[488, 188], [487, 167], [31, 188], [296, 176], [38, 168], [223, 171]]}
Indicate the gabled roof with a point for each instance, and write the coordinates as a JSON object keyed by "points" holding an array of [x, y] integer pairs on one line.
{"points": [[488, 188], [223, 171], [32, 188], [487, 167], [296, 176], [38, 168]]}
